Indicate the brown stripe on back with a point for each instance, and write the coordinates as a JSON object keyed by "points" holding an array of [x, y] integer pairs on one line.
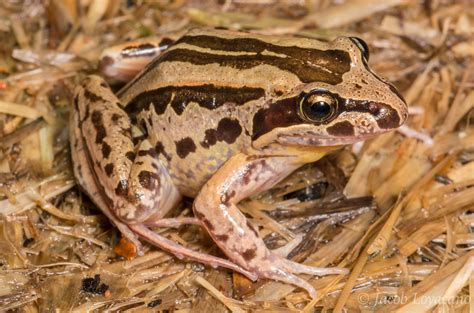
{"points": [[336, 61], [207, 96], [302, 68], [308, 64]]}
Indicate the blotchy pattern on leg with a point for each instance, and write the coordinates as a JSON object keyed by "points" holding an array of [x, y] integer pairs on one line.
{"points": [[132, 180], [118, 178], [240, 177], [85, 179]]}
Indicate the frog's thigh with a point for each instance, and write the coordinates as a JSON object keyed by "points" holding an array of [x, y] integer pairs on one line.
{"points": [[151, 183], [135, 184], [240, 177]]}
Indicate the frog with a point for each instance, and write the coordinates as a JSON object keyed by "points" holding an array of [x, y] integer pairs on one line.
{"points": [[220, 116]]}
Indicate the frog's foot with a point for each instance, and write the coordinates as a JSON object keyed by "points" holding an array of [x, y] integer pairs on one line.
{"points": [[284, 250], [299, 268], [182, 252], [240, 177], [286, 268], [286, 277], [252, 254], [291, 267]]}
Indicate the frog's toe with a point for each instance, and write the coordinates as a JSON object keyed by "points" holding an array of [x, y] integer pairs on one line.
{"points": [[284, 270], [299, 268], [287, 277]]}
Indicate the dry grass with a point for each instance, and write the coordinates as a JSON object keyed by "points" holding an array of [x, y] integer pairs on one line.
{"points": [[396, 210]]}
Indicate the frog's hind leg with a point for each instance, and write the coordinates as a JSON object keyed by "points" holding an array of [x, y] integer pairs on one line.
{"points": [[131, 179], [85, 178], [124, 61], [240, 177], [181, 252], [132, 183]]}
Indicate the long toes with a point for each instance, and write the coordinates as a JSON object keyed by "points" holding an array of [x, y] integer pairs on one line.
{"points": [[286, 277], [284, 270], [287, 248], [312, 270]]}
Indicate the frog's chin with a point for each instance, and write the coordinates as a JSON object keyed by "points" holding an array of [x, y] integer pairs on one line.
{"points": [[321, 141]]}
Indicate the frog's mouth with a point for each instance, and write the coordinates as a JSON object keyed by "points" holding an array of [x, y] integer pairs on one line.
{"points": [[319, 140]]}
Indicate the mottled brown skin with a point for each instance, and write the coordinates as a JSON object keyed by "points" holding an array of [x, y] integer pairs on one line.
{"points": [[220, 116]]}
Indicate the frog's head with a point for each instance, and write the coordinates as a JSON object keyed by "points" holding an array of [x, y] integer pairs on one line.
{"points": [[348, 103]]}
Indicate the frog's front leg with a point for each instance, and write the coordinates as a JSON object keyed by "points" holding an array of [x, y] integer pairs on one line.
{"points": [[131, 182], [240, 177]]}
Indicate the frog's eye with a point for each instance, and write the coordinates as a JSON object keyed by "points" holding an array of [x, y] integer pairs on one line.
{"points": [[317, 107], [362, 46]]}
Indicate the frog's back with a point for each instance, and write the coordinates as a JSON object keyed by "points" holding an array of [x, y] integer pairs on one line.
{"points": [[198, 100], [222, 58]]}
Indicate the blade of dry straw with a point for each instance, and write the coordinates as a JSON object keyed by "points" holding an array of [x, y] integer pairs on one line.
{"points": [[233, 305], [381, 240], [349, 12], [18, 110]]}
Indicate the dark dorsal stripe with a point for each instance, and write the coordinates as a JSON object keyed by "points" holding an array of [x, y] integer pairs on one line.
{"points": [[309, 65], [335, 61], [325, 65], [207, 96], [307, 69]]}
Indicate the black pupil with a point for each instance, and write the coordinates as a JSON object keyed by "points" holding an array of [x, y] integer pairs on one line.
{"points": [[319, 110]]}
